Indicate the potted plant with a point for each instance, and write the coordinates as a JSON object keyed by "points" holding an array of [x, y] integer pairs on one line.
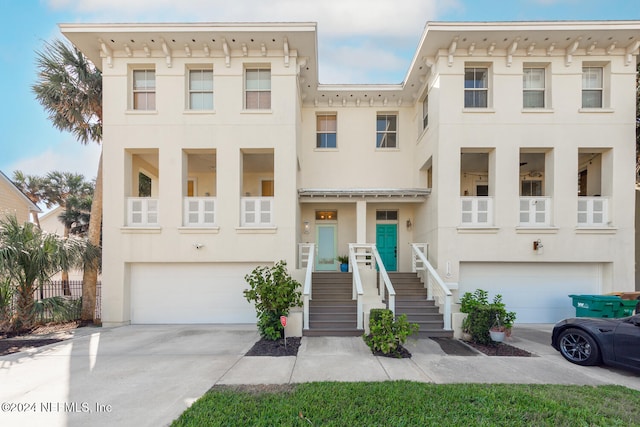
{"points": [[497, 330], [344, 263]]}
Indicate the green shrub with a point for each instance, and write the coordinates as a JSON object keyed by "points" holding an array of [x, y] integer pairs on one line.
{"points": [[274, 292], [387, 334], [482, 315]]}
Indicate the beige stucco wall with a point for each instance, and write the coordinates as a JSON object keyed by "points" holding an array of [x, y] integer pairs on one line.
{"points": [[562, 130]]}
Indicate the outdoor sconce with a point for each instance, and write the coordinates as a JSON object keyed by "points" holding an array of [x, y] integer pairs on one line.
{"points": [[306, 227], [537, 245], [409, 224]]}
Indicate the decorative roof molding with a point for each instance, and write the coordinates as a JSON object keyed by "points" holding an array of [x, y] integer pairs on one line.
{"points": [[106, 52]]}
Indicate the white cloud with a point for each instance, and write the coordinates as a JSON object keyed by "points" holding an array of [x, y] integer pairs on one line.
{"points": [[335, 17], [66, 156]]}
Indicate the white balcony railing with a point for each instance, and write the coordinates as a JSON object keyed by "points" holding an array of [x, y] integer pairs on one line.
{"points": [[142, 212], [593, 211], [199, 211], [256, 212], [535, 211], [477, 211]]}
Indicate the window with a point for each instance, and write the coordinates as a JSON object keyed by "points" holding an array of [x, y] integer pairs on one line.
{"points": [[144, 90], [531, 188], [533, 88], [201, 89], [258, 89], [386, 131], [386, 215], [326, 136], [476, 87], [326, 215], [425, 112], [592, 87]]}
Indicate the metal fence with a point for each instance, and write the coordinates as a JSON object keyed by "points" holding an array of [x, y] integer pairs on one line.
{"points": [[70, 291]]}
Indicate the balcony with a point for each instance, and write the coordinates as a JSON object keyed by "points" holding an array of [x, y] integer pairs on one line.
{"points": [[142, 212], [477, 211], [593, 211], [256, 212], [535, 211], [199, 211]]}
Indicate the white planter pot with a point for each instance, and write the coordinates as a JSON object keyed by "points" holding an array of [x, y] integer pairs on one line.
{"points": [[497, 336]]}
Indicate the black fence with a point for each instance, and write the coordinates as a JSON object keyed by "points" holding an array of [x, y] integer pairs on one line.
{"points": [[69, 293], [69, 289]]}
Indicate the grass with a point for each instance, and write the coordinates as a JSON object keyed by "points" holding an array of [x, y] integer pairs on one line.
{"points": [[405, 403]]}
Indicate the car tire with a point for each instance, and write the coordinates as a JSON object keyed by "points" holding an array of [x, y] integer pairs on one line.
{"points": [[578, 347]]}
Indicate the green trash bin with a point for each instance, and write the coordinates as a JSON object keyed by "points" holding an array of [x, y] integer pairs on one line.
{"points": [[627, 307], [597, 305]]}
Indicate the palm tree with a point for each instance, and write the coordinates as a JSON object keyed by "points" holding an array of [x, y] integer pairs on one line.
{"points": [[32, 187], [58, 189], [69, 87], [30, 256]]}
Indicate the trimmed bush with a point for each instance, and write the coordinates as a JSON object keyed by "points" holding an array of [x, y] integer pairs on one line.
{"points": [[387, 334]]}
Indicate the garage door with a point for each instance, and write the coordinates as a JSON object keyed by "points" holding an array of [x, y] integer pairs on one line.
{"points": [[190, 293], [538, 293]]}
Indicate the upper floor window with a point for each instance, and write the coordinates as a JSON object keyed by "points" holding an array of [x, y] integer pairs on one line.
{"points": [[533, 88], [386, 131], [425, 112], [476, 87], [201, 89], [144, 89], [592, 87], [258, 89], [326, 136]]}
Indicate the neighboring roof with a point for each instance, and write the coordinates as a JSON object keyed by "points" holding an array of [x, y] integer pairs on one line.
{"points": [[32, 206], [377, 193]]}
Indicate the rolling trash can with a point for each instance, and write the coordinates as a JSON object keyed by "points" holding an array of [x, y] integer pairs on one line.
{"points": [[599, 306]]}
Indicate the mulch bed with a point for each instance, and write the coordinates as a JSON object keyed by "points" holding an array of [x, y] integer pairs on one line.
{"points": [[500, 349], [399, 353], [275, 348], [36, 337]]}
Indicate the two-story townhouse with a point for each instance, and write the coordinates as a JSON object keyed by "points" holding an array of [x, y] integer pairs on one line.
{"points": [[505, 155]]}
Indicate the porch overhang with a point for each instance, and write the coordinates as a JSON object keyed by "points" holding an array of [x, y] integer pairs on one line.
{"points": [[413, 195]]}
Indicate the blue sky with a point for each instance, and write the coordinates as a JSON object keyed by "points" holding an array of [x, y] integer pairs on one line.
{"points": [[359, 41]]}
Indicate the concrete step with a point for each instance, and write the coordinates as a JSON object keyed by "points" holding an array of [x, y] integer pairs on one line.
{"points": [[433, 333], [332, 332]]}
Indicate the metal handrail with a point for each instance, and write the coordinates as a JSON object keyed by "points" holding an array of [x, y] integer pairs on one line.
{"points": [[385, 279], [306, 290], [432, 276], [358, 291]]}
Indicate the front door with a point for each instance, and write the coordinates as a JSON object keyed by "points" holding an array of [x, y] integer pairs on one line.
{"points": [[387, 244], [327, 246]]}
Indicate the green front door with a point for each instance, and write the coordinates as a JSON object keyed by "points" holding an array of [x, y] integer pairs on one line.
{"points": [[327, 245], [387, 244]]}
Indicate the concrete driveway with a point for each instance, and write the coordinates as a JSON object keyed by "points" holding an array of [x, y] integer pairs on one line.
{"points": [[148, 375]]}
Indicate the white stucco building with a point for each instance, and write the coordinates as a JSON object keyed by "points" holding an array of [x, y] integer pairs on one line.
{"points": [[508, 149]]}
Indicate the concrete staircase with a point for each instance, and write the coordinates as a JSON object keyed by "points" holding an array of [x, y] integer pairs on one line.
{"points": [[411, 299], [332, 311]]}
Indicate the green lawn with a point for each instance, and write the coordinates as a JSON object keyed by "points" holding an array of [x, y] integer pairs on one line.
{"points": [[405, 403]]}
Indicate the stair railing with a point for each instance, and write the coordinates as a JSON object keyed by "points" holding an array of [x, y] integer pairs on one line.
{"points": [[307, 253], [358, 291], [368, 255], [436, 289]]}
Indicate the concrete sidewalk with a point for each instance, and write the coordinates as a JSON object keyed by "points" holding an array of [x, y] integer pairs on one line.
{"points": [[148, 375]]}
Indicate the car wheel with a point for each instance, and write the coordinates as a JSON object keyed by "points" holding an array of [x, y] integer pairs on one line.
{"points": [[579, 347]]}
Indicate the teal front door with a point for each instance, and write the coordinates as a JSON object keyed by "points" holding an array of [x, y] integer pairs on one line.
{"points": [[387, 244], [327, 245]]}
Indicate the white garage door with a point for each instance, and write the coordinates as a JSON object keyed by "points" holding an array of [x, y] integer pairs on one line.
{"points": [[538, 293], [190, 293]]}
